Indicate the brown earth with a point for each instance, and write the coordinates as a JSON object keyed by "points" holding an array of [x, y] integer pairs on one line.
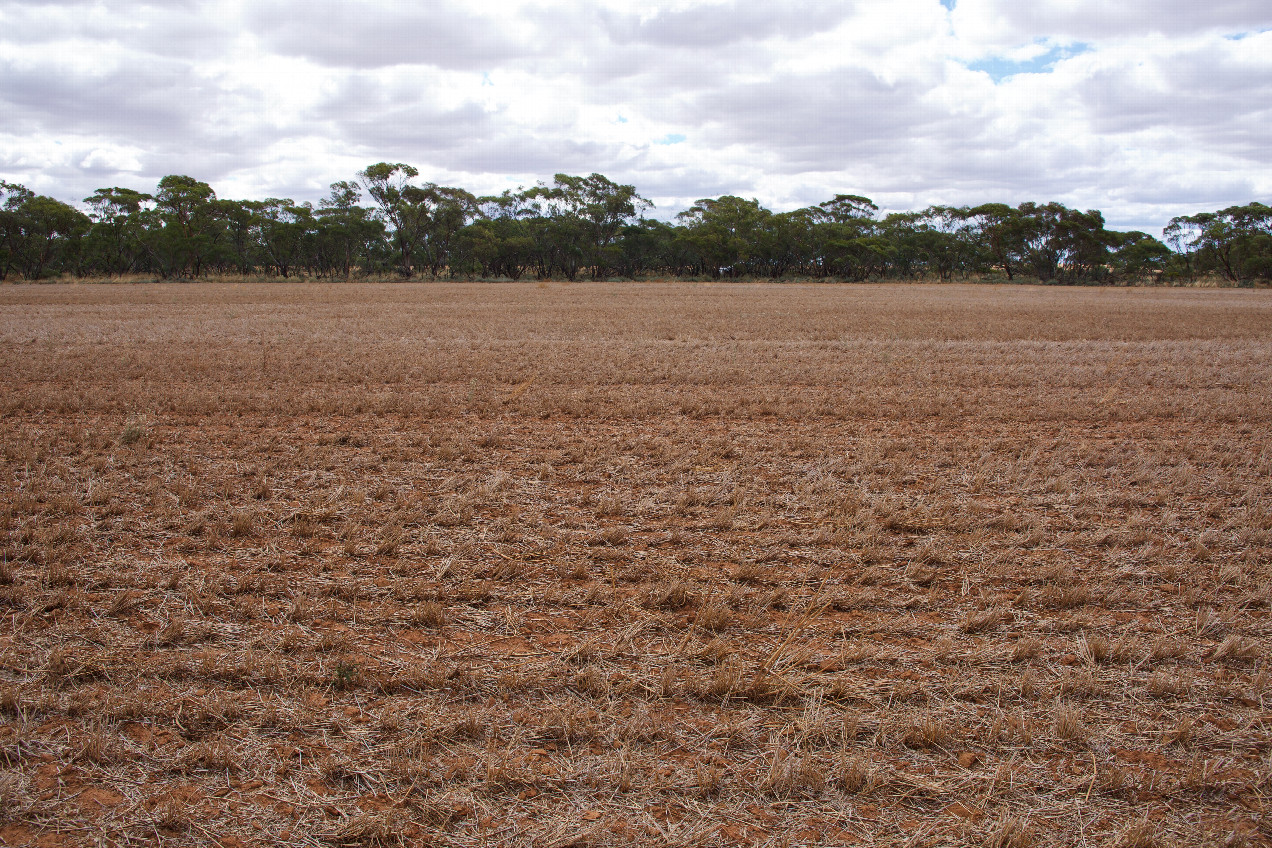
{"points": [[656, 564]]}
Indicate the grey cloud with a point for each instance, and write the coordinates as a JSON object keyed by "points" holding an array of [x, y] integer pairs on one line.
{"points": [[1094, 20], [185, 30], [1203, 95], [407, 125], [847, 130], [364, 111], [67, 180], [691, 184], [1205, 193], [117, 5], [342, 34], [158, 100], [519, 152], [823, 122], [1133, 194], [621, 71], [726, 23], [176, 119]]}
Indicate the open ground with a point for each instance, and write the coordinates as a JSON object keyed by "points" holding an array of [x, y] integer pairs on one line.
{"points": [[639, 564]]}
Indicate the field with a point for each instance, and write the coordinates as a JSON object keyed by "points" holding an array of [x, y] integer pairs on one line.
{"points": [[639, 564]]}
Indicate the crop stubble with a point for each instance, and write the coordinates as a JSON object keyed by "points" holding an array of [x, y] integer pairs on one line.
{"points": [[638, 564]]}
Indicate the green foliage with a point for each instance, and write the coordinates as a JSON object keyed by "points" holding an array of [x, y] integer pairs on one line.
{"points": [[592, 226], [38, 235], [114, 242], [423, 220], [728, 236], [1234, 243]]}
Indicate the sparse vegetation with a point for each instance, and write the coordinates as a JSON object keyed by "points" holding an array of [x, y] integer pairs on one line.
{"points": [[665, 565]]}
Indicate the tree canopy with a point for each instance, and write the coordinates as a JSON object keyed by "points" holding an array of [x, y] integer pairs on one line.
{"points": [[591, 227]]}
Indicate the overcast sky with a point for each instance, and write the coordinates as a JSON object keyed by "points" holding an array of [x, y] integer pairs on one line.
{"points": [[1144, 109]]}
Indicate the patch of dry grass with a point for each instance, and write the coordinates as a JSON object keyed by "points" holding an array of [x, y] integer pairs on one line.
{"points": [[649, 564]]}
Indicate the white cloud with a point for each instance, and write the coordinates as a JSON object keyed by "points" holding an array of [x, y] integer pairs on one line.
{"points": [[1142, 109], [989, 23]]}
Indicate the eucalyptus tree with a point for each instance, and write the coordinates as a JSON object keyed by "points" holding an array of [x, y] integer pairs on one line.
{"points": [[593, 225], [943, 241], [56, 232], [906, 256], [999, 230], [846, 208], [447, 211], [239, 249], [12, 198], [1183, 235], [556, 233], [1137, 256], [1253, 224], [283, 233], [1235, 242], [783, 244], [181, 234], [1062, 244], [388, 184], [500, 241], [349, 237], [114, 242], [845, 238], [423, 220], [585, 216], [39, 234], [724, 233], [649, 246]]}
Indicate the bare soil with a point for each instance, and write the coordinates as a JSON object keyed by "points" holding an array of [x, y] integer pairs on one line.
{"points": [[639, 564]]}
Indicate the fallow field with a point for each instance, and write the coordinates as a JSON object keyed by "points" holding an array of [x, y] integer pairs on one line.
{"points": [[638, 564]]}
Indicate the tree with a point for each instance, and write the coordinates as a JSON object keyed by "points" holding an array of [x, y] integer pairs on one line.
{"points": [[1235, 242], [114, 242], [845, 208], [12, 232], [999, 230], [647, 247], [587, 214], [348, 235], [39, 234], [182, 233], [943, 241], [501, 241], [1183, 234], [842, 237], [723, 233], [1063, 244], [280, 230], [593, 225], [424, 219], [443, 212], [387, 185], [239, 221], [1137, 255]]}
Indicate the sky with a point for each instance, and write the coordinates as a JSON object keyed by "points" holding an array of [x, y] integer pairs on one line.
{"points": [[1144, 109]]}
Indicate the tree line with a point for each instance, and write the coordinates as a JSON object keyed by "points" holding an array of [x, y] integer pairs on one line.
{"points": [[384, 223]]}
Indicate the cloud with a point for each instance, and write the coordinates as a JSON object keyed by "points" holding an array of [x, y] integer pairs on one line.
{"points": [[1213, 90], [719, 24], [368, 111], [997, 22], [95, 31], [823, 121], [1143, 109], [372, 35], [121, 101]]}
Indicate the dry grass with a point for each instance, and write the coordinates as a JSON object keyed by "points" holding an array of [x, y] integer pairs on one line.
{"points": [[639, 565]]}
